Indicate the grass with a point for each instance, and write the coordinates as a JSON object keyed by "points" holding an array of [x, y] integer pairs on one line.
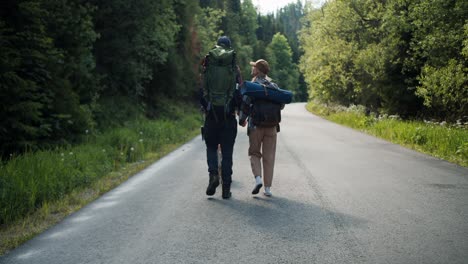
{"points": [[39, 189], [448, 142]]}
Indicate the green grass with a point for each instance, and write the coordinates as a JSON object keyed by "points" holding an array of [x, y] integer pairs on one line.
{"points": [[442, 141], [38, 189]]}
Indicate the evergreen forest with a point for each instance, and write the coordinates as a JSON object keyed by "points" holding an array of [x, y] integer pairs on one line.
{"points": [[68, 67]]}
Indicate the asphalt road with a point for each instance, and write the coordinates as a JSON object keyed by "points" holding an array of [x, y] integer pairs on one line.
{"points": [[339, 196]]}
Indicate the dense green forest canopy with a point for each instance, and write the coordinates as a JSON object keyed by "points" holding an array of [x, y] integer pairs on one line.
{"points": [[68, 67], [392, 56]]}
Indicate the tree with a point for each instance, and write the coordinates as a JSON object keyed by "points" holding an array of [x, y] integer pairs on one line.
{"points": [[245, 49], [21, 104], [70, 24], [355, 53], [289, 24], [75, 82], [208, 22], [176, 78], [41, 73], [249, 23], [440, 30], [135, 37], [327, 60], [284, 72], [232, 21], [444, 90]]}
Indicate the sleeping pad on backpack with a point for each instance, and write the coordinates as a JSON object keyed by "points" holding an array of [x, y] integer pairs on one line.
{"points": [[258, 91]]}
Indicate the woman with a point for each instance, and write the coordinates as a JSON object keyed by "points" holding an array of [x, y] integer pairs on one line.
{"points": [[262, 138]]}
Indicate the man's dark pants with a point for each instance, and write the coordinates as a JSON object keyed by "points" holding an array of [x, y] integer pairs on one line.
{"points": [[222, 132]]}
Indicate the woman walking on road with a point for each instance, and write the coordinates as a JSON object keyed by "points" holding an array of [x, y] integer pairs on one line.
{"points": [[262, 136]]}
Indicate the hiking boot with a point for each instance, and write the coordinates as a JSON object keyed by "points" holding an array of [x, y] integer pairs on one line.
{"points": [[212, 184], [258, 185], [226, 191]]}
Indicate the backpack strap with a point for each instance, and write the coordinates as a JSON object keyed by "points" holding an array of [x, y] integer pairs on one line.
{"points": [[266, 89]]}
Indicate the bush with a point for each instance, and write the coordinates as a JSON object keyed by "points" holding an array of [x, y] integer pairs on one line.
{"points": [[444, 90]]}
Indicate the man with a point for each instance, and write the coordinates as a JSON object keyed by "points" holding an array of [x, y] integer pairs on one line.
{"points": [[262, 132], [219, 101]]}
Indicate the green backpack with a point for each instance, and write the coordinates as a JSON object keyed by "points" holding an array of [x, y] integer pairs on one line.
{"points": [[220, 77]]}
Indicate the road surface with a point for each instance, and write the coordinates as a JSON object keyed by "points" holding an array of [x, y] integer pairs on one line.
{"points": [[339, 196]]}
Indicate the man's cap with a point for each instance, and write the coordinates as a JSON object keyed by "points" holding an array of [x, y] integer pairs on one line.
{"points": [[261, 65], [224, 41]]}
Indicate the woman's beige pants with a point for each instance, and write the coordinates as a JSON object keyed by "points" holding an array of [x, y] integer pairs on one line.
{"points": [[262, 149]]}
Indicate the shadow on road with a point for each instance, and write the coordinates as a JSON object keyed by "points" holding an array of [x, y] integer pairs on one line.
{"points": [[292, 220]]}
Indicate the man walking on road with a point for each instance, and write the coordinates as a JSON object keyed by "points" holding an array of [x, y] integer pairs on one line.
{"points": [[219, 101]]}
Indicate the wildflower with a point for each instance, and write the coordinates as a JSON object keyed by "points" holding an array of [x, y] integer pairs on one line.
{"points": [[62, 159], [141, 140], [71, 153], [141, 132], [62, 154], [87, 131], [132, 149], [121, 153], [103, 150]]}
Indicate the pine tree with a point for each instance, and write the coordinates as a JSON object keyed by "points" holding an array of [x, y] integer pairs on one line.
{"points": [[283, 70]]}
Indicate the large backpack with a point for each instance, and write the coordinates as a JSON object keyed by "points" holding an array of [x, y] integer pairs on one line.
{"points": [[220, 77], [266, 113]]}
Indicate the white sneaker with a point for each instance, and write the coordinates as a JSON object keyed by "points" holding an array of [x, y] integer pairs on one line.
{"points": [[267, 191], [258, 185]]}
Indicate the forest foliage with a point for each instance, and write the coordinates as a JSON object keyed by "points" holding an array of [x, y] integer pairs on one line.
{"points": [[392, 56], [70, 66]]}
